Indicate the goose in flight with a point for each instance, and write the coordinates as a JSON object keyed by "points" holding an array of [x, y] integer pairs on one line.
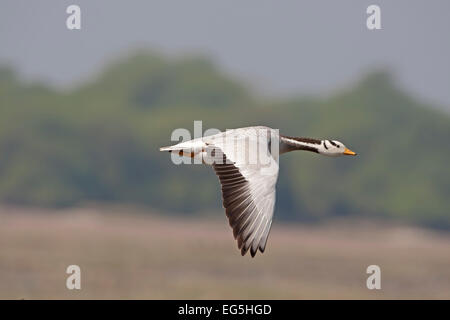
{"points": [[246, 162]]}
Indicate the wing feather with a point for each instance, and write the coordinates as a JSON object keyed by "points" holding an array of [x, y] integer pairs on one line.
{"points": [[248, 195]]}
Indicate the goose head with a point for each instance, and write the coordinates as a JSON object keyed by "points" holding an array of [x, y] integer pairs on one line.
{"points": [[334, 148]]}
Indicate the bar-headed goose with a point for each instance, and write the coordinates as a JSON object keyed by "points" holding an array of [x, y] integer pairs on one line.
{"points": [[246, 162]]}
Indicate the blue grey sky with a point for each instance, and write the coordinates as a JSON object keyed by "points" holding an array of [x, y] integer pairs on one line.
{"points": [[287, 47]]}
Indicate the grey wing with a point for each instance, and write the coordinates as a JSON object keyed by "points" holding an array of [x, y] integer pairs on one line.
{"points": [[248, 194]]}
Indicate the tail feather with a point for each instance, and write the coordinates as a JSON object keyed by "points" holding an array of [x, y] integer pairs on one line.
{"points": [[180, 151], [169, 148], [176, 149], [188, 146]]}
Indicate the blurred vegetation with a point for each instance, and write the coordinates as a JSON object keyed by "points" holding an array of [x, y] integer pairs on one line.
{"points": [[99, 142]]}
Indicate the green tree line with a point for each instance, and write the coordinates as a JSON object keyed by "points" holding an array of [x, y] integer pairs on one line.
{"points": [[99, 143]]}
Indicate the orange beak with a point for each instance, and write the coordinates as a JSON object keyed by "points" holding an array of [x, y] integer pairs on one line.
{"points": [[349, 152]]}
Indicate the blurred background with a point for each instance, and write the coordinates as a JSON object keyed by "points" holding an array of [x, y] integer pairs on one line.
{"points": [[84, 112]]}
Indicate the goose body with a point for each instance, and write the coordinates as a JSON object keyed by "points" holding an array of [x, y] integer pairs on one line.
{"points": [[246, 162]]}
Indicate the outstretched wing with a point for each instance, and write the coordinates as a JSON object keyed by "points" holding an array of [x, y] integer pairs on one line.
{"points": [[248, 191]]}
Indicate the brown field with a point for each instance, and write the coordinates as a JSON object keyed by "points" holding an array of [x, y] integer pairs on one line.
{"points": [[126, 255]]}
